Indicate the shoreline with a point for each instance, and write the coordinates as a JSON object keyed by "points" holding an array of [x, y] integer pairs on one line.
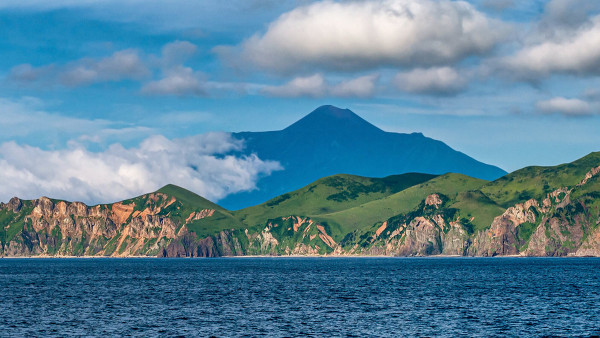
{"points": [[288, 256]]}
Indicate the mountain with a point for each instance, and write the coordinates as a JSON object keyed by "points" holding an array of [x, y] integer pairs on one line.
{"points": [[332, 141], [535, 211]]}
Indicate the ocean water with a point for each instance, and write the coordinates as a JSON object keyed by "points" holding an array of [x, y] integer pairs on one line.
{"points": [[229, 297]]}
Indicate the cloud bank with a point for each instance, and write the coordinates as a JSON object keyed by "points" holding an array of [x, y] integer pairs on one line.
{"points": [[197, 163]]}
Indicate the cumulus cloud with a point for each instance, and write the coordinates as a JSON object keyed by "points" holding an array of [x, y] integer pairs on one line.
{"points": [[363, 86], [316, 86], [360, 35], [198, 163], [313, 86], [178, 81], [559, 15], [121, 65], [435, 81], [567, 42], [177, 52], [564, 106], [28, 74]]}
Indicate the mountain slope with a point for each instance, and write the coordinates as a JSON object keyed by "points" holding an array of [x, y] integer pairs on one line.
{"points": [[536, 181], [402, 202], [330, 194], [535, 211], [332, 141]]}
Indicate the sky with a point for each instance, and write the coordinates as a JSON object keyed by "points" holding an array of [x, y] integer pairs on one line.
{"points": [[104, 100]]}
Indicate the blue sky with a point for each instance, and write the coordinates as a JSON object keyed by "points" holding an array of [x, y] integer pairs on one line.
{"points": [[511, 83]]}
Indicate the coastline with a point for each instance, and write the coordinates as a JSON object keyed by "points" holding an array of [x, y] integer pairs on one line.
{"points": [[287, 256]]}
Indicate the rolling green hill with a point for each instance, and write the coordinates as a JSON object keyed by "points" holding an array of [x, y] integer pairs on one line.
{"points": [[367, 214], [536, 182], [330, 194]]}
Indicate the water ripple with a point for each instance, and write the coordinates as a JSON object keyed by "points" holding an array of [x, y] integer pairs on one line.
{"points": [[351, 297]]}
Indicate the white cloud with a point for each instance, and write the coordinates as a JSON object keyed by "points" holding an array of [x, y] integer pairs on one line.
{"points": [[563, 14], [564, 106], [177, 52], [363, 87], [26, 73], [439, 81], [313, 86], [317, 86], [577, 52], [196, 163], [358, 35], [178, 81], [121, 65]]}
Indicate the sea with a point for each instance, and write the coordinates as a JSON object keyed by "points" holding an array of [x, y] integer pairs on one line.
{"points": [[292, 297]]}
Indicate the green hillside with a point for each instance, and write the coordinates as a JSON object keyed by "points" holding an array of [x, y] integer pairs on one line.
{"points": [[475, 209], [367, 214], [189, 198], [330, 194], [188, 202], [536, 182]]}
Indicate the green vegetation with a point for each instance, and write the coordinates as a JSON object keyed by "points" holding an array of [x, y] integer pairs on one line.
{"points": [[186, 203], [525, 230], [401, 202], [329, 194], [476, 209], [189, 198], [11, 224], [536, 182]]}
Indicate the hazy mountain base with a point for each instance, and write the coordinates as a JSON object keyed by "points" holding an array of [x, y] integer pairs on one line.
{"points": [[564, 222]]}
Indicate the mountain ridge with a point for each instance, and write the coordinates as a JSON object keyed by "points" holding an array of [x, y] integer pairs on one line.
{"points": [[331, 141]]}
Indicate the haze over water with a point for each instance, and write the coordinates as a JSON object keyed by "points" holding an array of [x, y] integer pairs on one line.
{"points": [[301, 296]]}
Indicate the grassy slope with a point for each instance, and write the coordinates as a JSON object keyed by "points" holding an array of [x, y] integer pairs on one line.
{"points": [[367, 214], [222, 219], [536, 182], [475, 206], [329, 194], [189, 198]]}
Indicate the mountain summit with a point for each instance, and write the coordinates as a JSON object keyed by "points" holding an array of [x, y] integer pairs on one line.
{"points": [[331, 141], [332, 119]]}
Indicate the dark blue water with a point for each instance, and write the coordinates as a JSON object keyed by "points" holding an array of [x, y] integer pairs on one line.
{"points": [[300, 296]]}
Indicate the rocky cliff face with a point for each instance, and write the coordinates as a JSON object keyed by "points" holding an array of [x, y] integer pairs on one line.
{"points": [[57, 228], [564, 222]]}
